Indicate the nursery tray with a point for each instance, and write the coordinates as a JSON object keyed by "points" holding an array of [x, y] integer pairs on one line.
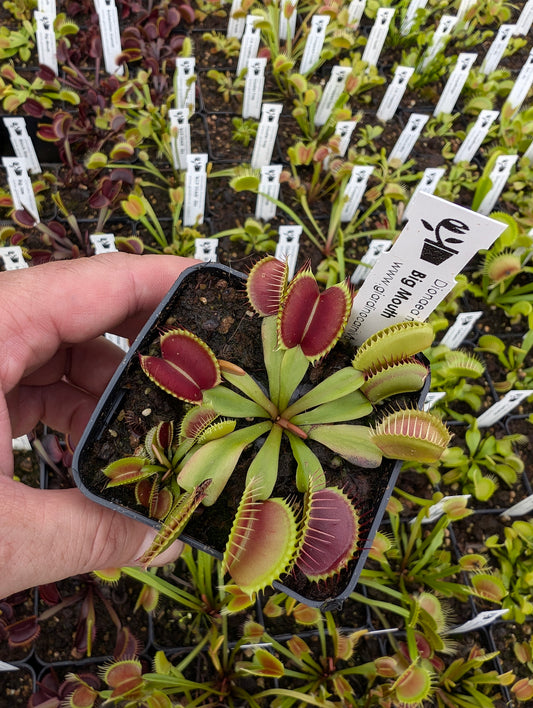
{"points": [[210, 301]]}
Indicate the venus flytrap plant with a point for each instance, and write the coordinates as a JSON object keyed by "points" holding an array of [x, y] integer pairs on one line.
{"points": [[319, 531]]}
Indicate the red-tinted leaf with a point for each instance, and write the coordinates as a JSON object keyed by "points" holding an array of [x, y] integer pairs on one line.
{"points": [[170, 379], [23, 632], [266, 285], [50, 594], [298, 308], [328, 322], [192, 356], [127, 646], [126, 470]]}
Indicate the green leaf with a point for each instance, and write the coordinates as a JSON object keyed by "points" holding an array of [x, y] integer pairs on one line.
{"points": [[245, 383], [350, 407], [309, 466], [230, 403], [352, 442], [338, 385], [265, 464]]}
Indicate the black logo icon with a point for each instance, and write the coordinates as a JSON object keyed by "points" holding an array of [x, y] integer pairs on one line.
{"points": [[436, 250]]}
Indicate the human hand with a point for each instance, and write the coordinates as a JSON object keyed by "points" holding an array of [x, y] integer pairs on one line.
{"points": [[54, 365]]}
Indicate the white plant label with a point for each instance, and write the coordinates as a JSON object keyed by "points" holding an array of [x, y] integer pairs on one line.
{"points": [[439, 39], [314, 43], [266, 135], [195, 189], [46, 40], [378, 35], [529, 152], [410, 280], [355, 11], [483, 619], [410, 15], [287, 26], [375, 249], [524, 22], [12, 258], [235, 24], [21, 444], [464, 7], [354, 191], [427, 184], [20, 186], [288, 244], [497, 48], [249, 44], [48, 7], [269, 186], [110, 33], [253, 88], [205, 249], [502, 407], [186, 83], [521, 508], [435, 511], [395, 92], [522, 84], [432, 397], [332, 92], [408, 137], [498, 176], [460, 329], [103, 243], [180, 137], [455, 83], [476, 135], [21, 142], [120, 342]]}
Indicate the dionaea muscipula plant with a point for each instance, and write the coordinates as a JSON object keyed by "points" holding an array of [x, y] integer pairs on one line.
{"points": [[182, 465]]}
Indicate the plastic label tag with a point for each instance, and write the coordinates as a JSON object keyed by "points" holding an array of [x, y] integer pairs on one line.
{"points": [[120, 342], [287, 26], [524, 22], [195, 189], [435, 511], [497, 48], [475, 136], [522, 84], [48, 7], [331, 94], [269, 185], [411, 279], [521, 508], [180, 137], [355, 11], [355, 189], [46, 40], [186, 83], [439, 39], [205, 249], [12, 258], [460, 329], [314, 43], [110, 34], [408, 137], [529, 152], [21, 142], [427, 184], [376, 248], [20, 185], [498, 176], [103, 243], [249, 44], [288, 244], [4, 666], [21, 444], [502, 407], [410, 15], [432, 397], [253, 88], [378, 35], [395, 92], [483, 619], [235, 24], [455, 83], [266, 135], [464, 7]]}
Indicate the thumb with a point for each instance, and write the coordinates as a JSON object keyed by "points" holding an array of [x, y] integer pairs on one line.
{"points": [[47, 535]]}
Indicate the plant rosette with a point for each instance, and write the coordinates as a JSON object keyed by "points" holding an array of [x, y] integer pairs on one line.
{"points": [[242, 421]]}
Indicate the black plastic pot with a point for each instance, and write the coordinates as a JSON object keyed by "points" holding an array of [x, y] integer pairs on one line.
{"points": [[113, 423]]}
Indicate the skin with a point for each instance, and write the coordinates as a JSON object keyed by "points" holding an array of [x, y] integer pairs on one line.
{"points": [[54, 365]]}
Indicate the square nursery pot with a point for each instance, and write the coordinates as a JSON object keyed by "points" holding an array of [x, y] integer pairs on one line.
{"points": [[210, 301]]}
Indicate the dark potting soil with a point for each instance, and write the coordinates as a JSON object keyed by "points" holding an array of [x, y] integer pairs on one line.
{"points": [[213, 305]]}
